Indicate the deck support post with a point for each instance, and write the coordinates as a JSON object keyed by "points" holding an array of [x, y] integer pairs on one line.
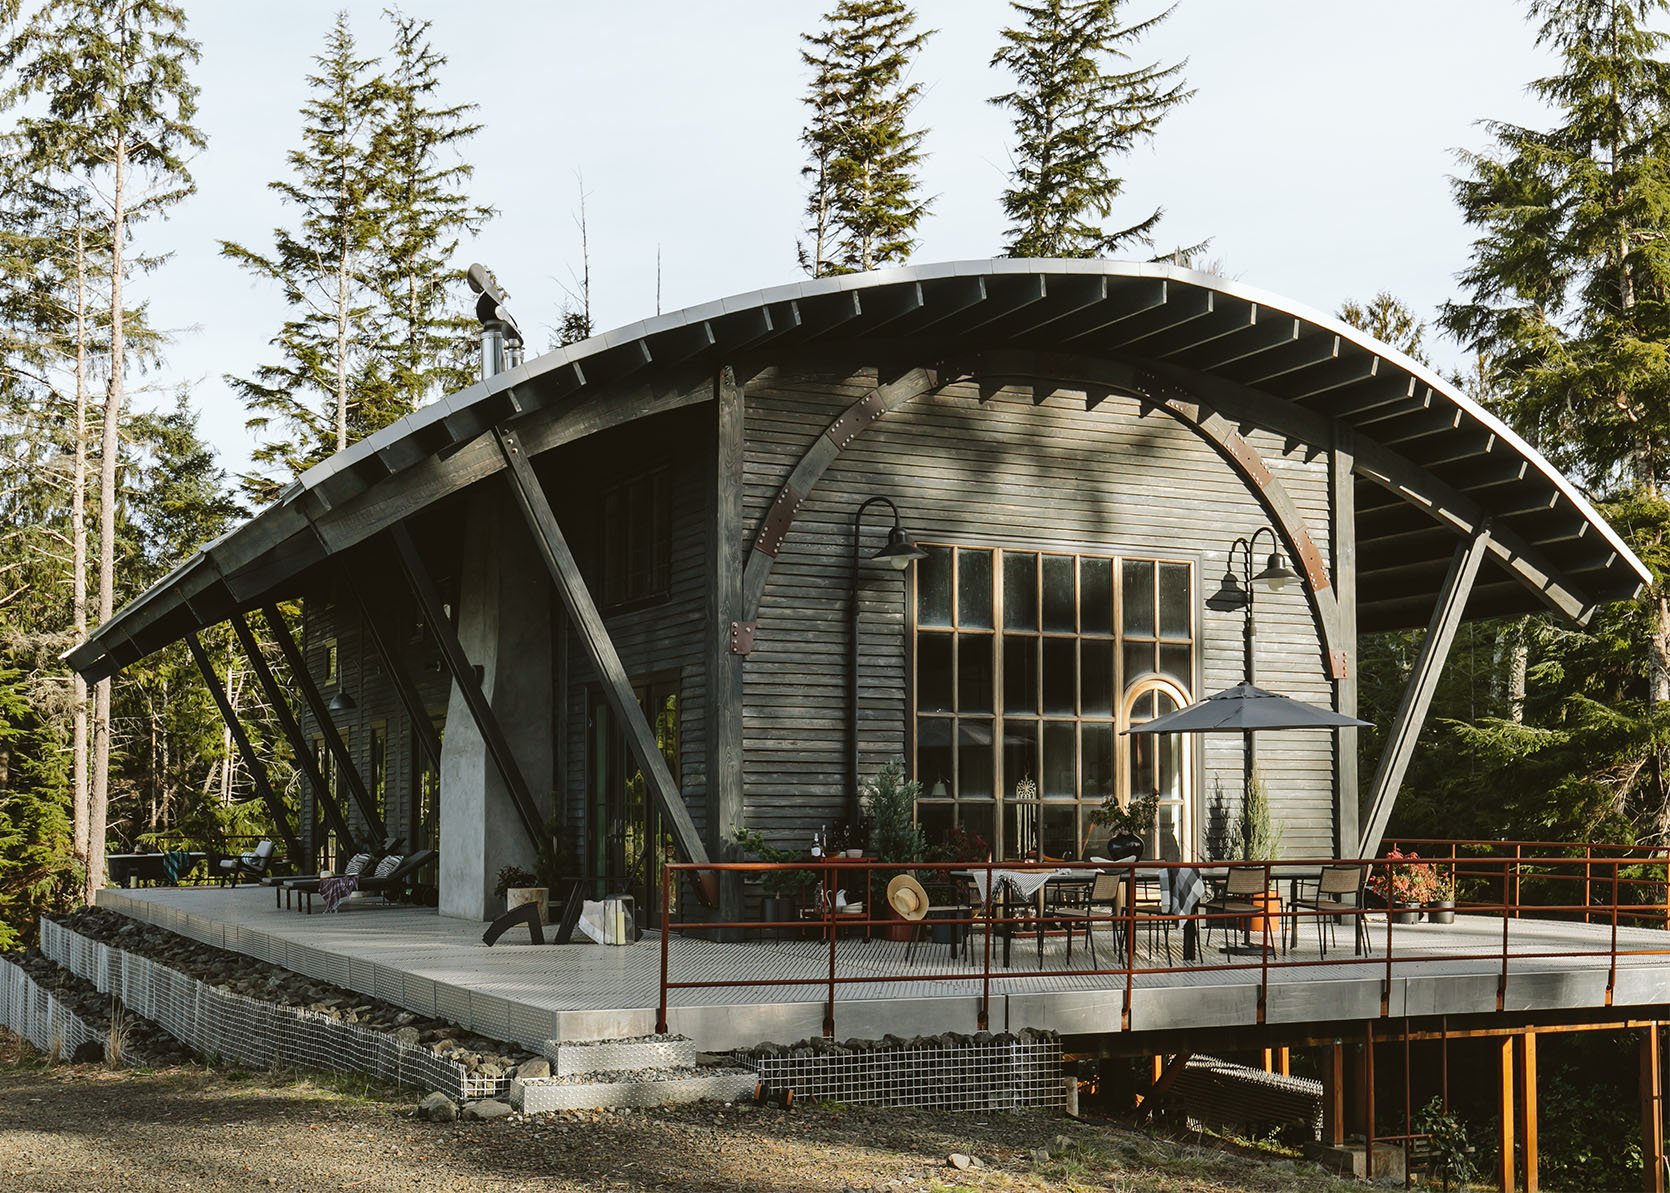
{"points": [[246, 750], [1525, 1066], [468, 684], [394, 663], [303, 680], [1652, 1112], [559, 560], [1333, 1095], [323, 797], [1406, 726], [1505, 1116], [725, 809]]}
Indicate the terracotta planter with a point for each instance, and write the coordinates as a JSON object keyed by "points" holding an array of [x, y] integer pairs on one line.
{"points": [[1270, 922], [896, 927]]}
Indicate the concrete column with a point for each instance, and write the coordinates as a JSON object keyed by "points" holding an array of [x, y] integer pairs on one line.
{"points": [[504, 625]]}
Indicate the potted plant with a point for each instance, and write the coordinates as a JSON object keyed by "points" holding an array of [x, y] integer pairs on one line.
{"points": [[1441, 901], [519, 886], [1404, 884], [890, 808], [784, 890], [959, 845], [1259, 841], [1128, 825]]}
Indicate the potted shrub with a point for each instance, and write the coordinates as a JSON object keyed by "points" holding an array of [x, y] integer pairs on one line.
{"points": [[1404, 884], [890, 808], [785, 890], [519, 886], [1128, 825], [1441, 904]]}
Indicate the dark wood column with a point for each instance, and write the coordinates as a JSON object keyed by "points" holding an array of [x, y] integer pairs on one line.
{"points": [[1342, 517], [336, 818], [725, 809], [246, 750], [322, 715], [356, 580]]}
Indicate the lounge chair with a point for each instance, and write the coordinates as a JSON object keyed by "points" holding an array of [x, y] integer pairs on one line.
{"points": [[254, 864], [362, 861], [398, 879]]}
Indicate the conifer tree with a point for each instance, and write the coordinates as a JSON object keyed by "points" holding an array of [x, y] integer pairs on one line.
{"points": [[1073, 111], [865, 202], [1388, 319], [1569, 282], [303, 408], [104, 97], [421, 209]]}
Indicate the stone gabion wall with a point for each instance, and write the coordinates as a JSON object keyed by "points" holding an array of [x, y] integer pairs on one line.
{"points": [[251, 1031], [35, 1014], [985, 1071]]}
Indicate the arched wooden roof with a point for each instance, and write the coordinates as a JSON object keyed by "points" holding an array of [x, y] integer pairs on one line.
{"points": [[1430, 462]]}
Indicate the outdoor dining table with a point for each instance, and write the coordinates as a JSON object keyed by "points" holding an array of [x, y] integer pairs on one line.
{"points": [[126, 868], [1028, 886]]}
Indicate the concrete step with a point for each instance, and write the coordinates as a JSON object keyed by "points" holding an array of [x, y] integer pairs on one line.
{"points": [[656, 1087], [573, 1058]]}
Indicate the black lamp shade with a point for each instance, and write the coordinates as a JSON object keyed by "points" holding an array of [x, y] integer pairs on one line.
{"points": [[899, 552], [342, 702], [1276, 574]]}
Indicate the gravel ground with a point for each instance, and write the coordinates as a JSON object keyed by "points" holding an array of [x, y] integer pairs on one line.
{"points": [[86, 1128]]}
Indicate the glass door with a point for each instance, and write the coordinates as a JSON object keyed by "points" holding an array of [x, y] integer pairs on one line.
{"points": [[626, 844]]}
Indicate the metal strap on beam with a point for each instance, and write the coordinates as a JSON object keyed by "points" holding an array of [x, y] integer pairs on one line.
{"points": [[600, 649], [322, 716], [287, 724], [464, 676], [394, 663], [252, 761], [1423, 682]]}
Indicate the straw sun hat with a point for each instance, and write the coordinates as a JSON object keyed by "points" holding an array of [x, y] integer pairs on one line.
{"points": [[906, 897]]}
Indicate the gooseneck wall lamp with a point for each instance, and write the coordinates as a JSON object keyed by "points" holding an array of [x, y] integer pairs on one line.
{"points": [[1241, 592], [898, 553]]}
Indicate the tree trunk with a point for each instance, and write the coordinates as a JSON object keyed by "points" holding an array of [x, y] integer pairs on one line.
{"points": [[98, 804], [78, 552]]}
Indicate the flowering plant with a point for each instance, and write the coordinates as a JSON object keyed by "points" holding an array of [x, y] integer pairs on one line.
{"points": [[1404, 879]]}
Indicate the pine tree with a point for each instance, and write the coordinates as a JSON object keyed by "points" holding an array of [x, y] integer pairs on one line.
{"points": [[864, 202], [304, 407], [1072, 114], [1388, 319], [421, 209], [104, 97], [1570, 274]]}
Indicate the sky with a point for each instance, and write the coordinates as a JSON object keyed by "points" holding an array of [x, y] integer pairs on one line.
{"points": [[1316, 153]]}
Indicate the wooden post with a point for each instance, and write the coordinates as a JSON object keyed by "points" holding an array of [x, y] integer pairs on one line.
{"points": [[1412, 707], [1652, 1113], [559, 561], [1333, 1095], [303, 680], [1342, 516], [252, 761], [1525, 1062], [323, 796], [725, 810], [1504, 1157]]}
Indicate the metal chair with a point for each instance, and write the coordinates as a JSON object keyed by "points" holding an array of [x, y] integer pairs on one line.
{"points": [[1235, 897], [1334, 886], [1107, 894]]}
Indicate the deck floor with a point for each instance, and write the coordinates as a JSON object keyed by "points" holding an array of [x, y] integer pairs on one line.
{"points": [[435, 965]]}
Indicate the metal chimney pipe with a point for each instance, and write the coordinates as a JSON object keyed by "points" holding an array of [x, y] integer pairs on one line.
{"points": [[501, 339]]}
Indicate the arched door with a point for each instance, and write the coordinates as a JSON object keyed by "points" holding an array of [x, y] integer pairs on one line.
{"points": [[1159, 765]]}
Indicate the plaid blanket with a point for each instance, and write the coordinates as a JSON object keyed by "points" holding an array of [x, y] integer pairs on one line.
{"points": [[1181, 890], [337, 888]]}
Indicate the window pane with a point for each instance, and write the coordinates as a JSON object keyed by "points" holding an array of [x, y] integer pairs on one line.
{"points": [[1098, 761], [1020, 753], [933, 588], [974, 759], [1169, 829], [1060, 760], [974, 673], [1060, 654], [1020, 591], [933, 672], [935, 821], [1020, 674], [977, 819], [1137, 591], [933, 756], [974, 589], [1142, 708], [1058, 594], [1174, 600], [1020, 828], [1175, 661], [1139, 661], [1096, 596], [1096, 677], [1061, 833], [1144, 780]]}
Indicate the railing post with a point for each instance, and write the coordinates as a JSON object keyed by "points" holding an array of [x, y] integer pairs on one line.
{"points": [[1516, 857], [1386, 986], [1508, 911], [1612, 968], [1130, 941], [1264, 948], [829, 930], [661, 1009], [1588, 890], [985, 1018]]}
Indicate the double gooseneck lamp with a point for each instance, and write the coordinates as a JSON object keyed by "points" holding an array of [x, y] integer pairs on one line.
{"points": [[899, 552]]}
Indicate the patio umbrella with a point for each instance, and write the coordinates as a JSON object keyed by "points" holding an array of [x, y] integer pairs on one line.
{"points": [[1246, 709]]}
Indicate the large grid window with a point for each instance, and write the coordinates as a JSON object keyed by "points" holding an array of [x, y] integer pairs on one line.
{"points": [[637, 540], [1024, 662]]}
